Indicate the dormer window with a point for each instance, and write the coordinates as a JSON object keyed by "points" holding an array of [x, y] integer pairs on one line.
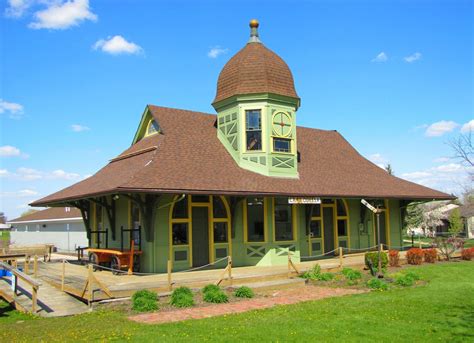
{"points": [[253, 130], [152, 128]]}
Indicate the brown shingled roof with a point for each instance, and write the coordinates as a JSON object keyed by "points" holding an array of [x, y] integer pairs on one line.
{"points": [[189, 158], [255, 69], [49, 214]]}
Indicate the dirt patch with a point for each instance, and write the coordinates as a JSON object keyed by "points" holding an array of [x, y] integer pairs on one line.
{"points": [[280, 297]]}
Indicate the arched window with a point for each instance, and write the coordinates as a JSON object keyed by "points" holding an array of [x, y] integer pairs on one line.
{"points": [[180, 221], [152, 128]]}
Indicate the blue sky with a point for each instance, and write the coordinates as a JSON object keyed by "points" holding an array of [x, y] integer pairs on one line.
{"points": [[394, 77]]}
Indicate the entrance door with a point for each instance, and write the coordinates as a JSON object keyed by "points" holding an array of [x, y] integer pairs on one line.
{"points": [[328, 222], [200, 236]]}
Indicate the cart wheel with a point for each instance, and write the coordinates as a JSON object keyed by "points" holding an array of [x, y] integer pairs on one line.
{"points": [[136, 263], [94, 259], [115, 265]]}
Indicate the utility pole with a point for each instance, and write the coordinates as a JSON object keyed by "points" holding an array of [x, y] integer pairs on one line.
{"points": [[380, 275], [377, 212]]}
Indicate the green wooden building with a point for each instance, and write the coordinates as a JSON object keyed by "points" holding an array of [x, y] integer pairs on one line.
{"points": [[245, 182]]}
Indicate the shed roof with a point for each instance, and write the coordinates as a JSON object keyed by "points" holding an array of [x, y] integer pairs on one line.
{"points": [[53, 213]]}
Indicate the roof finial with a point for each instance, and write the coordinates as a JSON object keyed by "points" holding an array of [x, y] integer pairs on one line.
{"points": [[254, 32]]}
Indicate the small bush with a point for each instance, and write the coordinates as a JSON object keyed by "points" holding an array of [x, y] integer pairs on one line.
{"points": [[326, 276], [144, 301], [182, 297], [415, 256], [351, 274], [374, 257], [216, 297], [404, 280], [377, 284], [412, 275], [315, 274], [430, 255], [467, 254], [244, 292], [394, 258], [210, 287]]}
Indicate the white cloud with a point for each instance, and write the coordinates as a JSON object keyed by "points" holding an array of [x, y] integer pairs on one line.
{"points": [[79, 128], [61, 174], [61, 15], [448, 178], [379, 160], [16, 8], [27, 174], [216, 52], [19, 194], [468, 127], [382, 57], [449, 168], [8, 151], [117, 45], [413, 57], [440, 128], [14, 110], [30, 174]]}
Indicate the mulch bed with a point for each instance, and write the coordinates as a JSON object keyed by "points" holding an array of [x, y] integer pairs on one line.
{"points": [[280, 297]]}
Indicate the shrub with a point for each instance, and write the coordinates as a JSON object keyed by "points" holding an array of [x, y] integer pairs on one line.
{"points": [[182, 297], [448, 246], [315, 274], [210, 287], [404, 280], [144, 301], [394, 258], [413, 275], [467, 254], [415, 256], [374, 257], [326, 276], [213, 294], [351, 274], [431, 255], [244, 292], [377, 284]]}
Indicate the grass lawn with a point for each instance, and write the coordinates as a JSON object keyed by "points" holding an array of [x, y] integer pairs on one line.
{"points": [[441, 310]]}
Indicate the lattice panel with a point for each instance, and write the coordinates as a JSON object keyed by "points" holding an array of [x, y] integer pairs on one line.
{"points": [[255, 251], [283, 162], [283, 249]]}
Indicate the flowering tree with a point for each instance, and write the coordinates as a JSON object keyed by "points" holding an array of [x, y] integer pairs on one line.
{"points": [[425, 217]]}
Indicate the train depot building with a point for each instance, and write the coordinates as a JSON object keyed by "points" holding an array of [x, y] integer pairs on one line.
{"points": [[246, 182]]}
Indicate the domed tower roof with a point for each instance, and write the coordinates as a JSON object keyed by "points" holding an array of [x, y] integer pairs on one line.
{"points": [[255, 69]]}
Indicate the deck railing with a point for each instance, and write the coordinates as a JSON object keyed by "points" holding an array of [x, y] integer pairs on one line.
{"points": [[18, 274]]}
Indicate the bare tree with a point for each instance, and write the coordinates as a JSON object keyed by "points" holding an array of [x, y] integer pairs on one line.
{"points": [[463, 149]]}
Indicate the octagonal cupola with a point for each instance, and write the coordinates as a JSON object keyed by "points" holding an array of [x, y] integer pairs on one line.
{"points": [[256, 104]]}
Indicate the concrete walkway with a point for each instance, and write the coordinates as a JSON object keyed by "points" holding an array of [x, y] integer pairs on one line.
{"points": [[283, 297]]}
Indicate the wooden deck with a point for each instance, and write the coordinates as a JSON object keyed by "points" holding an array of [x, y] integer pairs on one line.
{"points": [[76, 277]]}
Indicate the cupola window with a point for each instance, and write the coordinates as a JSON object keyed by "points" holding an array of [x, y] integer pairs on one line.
{"points": [[152, 128], [281, 145], [253, 130]]}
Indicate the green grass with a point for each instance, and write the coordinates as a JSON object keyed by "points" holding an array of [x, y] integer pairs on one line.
{"points": [[440, 310]]}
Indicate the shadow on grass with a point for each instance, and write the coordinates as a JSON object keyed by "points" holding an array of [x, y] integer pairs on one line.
{"points": [[461, 322]]}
